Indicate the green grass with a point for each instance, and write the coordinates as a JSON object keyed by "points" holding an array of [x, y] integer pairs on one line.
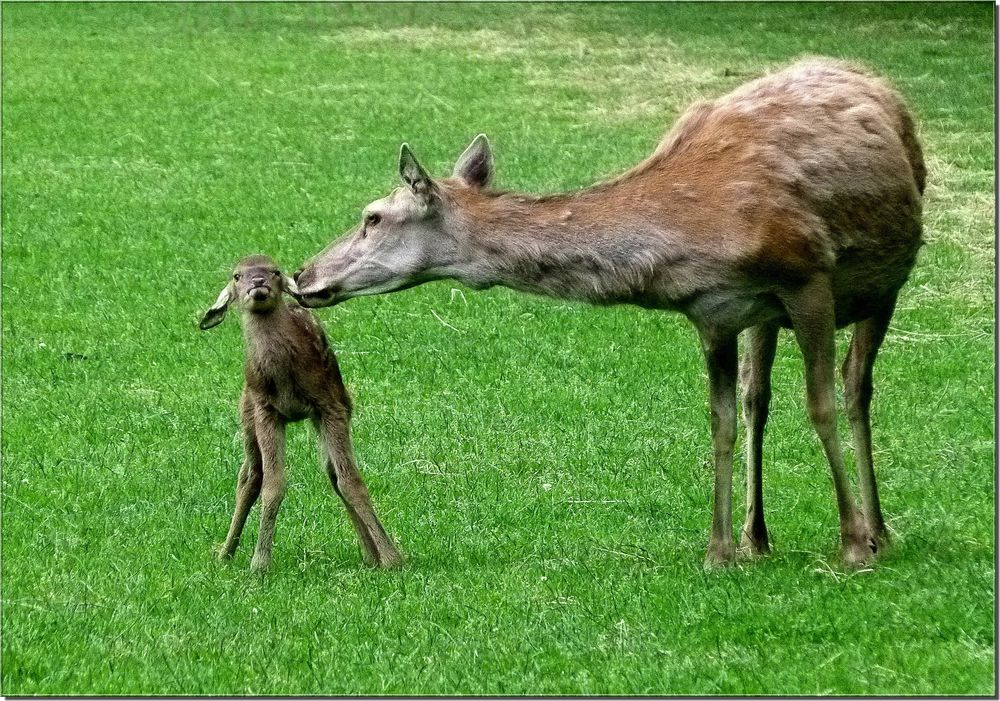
{"points": [[544, 465]]}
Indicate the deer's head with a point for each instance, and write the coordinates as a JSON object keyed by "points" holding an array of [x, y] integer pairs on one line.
{"points": [[403, 239]]}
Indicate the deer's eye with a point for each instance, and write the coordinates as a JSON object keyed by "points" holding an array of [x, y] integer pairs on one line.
{"points": [[236, 277], [372, 219]]}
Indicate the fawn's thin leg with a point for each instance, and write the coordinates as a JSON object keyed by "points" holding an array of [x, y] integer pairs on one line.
{"points": [[720, 356], [857, 374], [812, 315], [755, 378], [249, 480], [377, 548], [271, 439]]}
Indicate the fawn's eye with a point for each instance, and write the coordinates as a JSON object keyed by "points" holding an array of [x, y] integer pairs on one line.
{"points": [[372, 219], [236, 276]]}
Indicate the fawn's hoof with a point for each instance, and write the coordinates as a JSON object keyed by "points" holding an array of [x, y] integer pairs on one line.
{"points": [[388, 560], [260, 564]]}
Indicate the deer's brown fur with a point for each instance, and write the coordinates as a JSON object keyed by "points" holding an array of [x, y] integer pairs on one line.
{"points": [[794, 201], [291, 374]]}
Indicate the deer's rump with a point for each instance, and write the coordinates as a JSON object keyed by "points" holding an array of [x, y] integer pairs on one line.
{"points": [[813, 169]]}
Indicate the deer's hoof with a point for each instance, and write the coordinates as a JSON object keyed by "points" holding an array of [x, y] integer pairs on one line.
{"points": [[752, 547], [721, 554], [390, 559], [880, 534], [858, 551]]}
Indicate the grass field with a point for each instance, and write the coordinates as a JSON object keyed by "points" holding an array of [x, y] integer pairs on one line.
{"points": [[544, 465]]}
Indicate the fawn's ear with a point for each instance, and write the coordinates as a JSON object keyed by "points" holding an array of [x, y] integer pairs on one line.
{"points": [[475, 165], [289, 286], [217, 312]]}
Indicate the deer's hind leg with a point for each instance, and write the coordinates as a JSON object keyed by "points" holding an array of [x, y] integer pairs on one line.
{"points": [[247, 483], [811, 309], [857, 373], [755, 379], [335, 436]]}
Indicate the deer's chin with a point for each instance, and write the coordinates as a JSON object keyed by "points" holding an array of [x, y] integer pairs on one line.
{"points": [[335, 294], [319, 299]]}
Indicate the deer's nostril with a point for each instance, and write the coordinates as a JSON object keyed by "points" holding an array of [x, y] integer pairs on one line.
{"points": [[295, 275]]}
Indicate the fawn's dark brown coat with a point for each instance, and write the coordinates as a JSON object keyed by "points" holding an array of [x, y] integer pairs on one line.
{"points": [[291, 374]]}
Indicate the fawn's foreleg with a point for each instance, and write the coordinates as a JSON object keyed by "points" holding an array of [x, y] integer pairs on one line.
{"points": [[271, 440], [249, 481]]}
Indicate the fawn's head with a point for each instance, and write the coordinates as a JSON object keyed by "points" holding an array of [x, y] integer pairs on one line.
{"points": [[256, 286]]}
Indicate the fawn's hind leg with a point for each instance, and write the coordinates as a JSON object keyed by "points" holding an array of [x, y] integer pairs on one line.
{"points": [[335, 436]]}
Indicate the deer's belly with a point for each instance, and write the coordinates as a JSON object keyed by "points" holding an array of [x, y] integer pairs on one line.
{"points": [[727, 312]]}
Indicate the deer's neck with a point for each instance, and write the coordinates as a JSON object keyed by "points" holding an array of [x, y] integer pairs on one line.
{"points": [[585, 246]]}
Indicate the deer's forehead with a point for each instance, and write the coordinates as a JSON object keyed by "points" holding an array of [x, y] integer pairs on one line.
{"points": [[400, 204]]}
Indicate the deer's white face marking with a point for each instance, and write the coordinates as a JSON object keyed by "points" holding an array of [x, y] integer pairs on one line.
{"points": [[397, 244]]}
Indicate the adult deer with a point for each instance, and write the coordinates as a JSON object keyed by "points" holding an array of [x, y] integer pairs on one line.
{"points": [[794, 201]]}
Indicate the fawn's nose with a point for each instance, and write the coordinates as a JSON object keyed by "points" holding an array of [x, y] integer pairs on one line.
{"points": [[295, 275], [259, 280]]}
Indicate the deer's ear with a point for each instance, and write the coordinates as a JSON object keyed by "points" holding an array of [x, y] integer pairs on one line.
{"points": [[475, 165], [414, 175], [217, 312]]}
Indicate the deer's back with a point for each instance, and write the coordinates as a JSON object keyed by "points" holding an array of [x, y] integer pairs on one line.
{"points": [[813, 168]]}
